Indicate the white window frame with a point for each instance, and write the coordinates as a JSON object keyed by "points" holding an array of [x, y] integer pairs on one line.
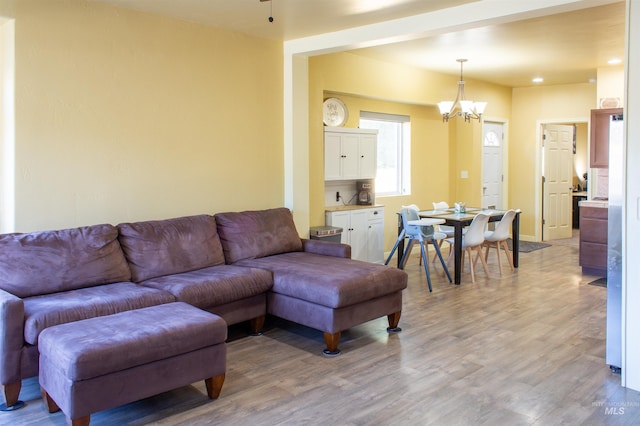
{"points": [[403, 154]]}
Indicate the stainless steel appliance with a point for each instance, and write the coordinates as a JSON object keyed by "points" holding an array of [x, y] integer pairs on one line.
{"points": [[614, 244], [364, 189]]}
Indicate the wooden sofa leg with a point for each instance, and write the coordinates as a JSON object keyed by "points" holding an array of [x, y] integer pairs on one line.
{"points": [[214, 386], [256, 325], [394, 319], [11, 394], [331, 340], [51, 405]]}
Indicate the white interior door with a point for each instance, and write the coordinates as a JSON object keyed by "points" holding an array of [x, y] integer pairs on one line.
{"points": [[492, 176], [557, 169]]}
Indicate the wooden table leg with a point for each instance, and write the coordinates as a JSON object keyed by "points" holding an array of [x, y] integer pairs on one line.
{"points": [[515, 239], [401, 244], [457, 247]]}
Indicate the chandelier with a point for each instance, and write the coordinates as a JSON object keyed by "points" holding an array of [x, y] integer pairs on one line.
{"points": [[468, 109]]}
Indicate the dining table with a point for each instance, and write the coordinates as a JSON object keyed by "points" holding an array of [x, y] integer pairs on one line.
{"points": [[459, 220]]}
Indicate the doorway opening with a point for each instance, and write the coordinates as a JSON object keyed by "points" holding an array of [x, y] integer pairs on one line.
{"points": [[563, 170]]}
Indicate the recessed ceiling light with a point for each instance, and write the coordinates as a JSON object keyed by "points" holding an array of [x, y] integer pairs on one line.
{"points": [[537, 79], [614, 61]]}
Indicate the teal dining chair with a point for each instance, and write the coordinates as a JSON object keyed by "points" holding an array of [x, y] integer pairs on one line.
{"points": [[424, 235]]}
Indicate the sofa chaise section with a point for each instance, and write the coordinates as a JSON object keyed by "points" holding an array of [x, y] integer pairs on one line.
{"points": [[183, 256], [315, 283]]}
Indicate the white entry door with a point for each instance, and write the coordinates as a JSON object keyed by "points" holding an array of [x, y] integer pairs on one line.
{"points": [[492, 177], [558, 162]]}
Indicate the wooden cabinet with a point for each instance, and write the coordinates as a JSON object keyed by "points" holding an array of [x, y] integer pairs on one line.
{"points": [[593, 240], [350, 153], [599, 140], [363, 230]]}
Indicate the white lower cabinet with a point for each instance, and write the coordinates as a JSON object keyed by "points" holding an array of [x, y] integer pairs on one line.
{"points": [[363, 230], [375, 236]]}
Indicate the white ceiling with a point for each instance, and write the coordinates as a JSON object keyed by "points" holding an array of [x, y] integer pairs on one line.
{"points": [[562, 48]]}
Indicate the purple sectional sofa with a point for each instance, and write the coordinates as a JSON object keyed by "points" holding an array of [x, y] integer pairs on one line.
{"points": [[259, 265]]}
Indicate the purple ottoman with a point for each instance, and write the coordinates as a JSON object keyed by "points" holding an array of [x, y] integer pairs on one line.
{"points": [[103, 362]]}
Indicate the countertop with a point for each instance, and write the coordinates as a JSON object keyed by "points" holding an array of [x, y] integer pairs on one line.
{"points": [[350, 207], [594, 203]]}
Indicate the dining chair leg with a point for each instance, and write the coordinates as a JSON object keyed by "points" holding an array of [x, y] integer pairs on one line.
{"points": [[499, 257], [439, 254], [488, 246], [407, 253], [484, 262], [440, 247], [473, 275], [425, 263], [435, 256], [505, 246], [395, 246]]}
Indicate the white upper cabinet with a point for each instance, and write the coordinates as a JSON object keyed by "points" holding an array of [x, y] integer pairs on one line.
{"points": [[350, 153]]}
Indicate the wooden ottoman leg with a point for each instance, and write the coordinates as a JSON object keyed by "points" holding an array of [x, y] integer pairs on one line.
{"points": [[394, 319], [214, 386], [331, 340], [51, 405], [81, 421]]}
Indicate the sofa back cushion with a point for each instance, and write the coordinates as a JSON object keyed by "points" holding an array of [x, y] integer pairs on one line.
{"points": [[53, 261], [163, 247], [255, 234]]}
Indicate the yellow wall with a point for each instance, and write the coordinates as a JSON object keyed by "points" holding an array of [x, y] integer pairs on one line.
{"points": [[7, 122], [531, 107], [124, 116], [439, 151]]}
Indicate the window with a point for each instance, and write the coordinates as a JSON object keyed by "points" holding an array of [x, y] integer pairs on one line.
{"points": [[491, 139], [394, 152]]}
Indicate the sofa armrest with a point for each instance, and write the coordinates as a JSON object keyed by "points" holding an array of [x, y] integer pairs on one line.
{"points": [[326, 248], [11, 336]]}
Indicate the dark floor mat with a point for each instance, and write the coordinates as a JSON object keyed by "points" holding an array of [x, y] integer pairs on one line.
{"points": [[528, 246]]}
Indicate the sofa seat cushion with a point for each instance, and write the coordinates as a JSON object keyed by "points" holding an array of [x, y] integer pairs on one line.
{"points": [[172, 246], [214, 286], [75, 305], [53, 261], [329, 281], [255, 234], [87, 349]]}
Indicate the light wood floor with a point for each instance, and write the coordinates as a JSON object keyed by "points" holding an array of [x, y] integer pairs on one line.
{"points": [[525, 348]]}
